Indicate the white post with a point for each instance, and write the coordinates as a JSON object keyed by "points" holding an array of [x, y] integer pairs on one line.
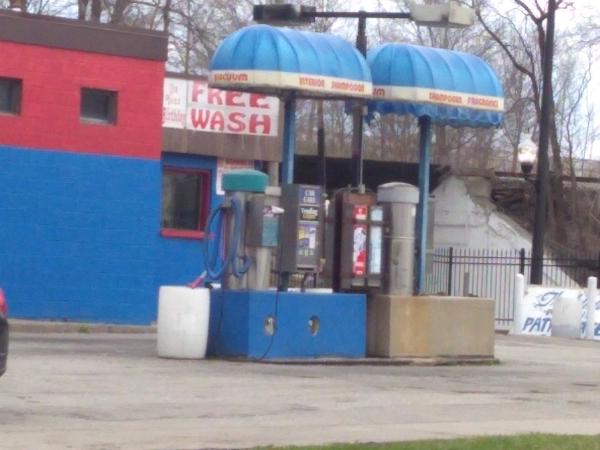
{"points": [[519, 296], [592, 292]]}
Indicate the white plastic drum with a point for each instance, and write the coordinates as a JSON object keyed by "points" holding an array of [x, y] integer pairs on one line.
{"points": [[183, 316]]}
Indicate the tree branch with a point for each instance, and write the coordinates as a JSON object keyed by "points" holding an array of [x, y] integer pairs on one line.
{"points": [[520, 67]]}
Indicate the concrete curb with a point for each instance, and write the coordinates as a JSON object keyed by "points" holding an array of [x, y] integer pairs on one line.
{"points": [[41, 327], [374, 361], [38, 326]]}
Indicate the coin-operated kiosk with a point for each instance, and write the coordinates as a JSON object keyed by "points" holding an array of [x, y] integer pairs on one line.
{"points": [[302, 229], [354, 238], [370, 240], [254, 239]]}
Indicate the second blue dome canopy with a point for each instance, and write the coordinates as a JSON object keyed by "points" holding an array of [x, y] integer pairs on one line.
{"points": [[453, 88]]}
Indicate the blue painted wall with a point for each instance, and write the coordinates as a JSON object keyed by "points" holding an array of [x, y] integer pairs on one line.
{"points": [[78, 235], [180, 259]]}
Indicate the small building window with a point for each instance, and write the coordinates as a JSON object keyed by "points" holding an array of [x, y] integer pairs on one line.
{"points": [[98, 106], [10, 95], [185, 202]]}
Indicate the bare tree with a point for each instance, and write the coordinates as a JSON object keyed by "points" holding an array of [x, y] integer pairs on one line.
{"points": [[520, 33], [522, 37]]}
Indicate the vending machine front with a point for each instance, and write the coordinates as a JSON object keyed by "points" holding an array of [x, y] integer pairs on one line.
{"points": [[301, 228], [354, 242]]}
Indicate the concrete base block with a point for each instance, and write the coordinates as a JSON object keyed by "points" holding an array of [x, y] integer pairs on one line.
{"points": [[400, 326]]}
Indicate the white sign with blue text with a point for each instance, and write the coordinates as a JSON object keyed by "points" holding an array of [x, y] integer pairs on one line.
{"points": [[538, 305]]}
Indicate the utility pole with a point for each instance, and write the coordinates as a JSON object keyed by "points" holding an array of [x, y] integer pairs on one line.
{"points": [[541, 183]]}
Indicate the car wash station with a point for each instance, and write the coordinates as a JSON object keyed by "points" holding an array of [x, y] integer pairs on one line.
{"points": [[368, 249], [282, 269]]}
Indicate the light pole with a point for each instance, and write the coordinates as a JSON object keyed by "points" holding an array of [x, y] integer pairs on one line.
{"points": [[446, 15], [541, 182]]}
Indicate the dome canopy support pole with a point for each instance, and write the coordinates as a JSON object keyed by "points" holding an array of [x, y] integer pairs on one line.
{"points": [[422, 216], [289, 139], [358, 108]]}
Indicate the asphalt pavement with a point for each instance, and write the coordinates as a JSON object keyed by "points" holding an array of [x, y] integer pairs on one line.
{"points": [[110, 391]]}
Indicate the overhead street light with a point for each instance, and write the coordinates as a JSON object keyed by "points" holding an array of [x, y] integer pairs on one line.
{"points": [[450, 15], [446, 15], [284, 14]]}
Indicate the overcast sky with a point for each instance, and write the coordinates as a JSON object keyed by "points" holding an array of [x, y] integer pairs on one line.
{"points": [[565, 20]]}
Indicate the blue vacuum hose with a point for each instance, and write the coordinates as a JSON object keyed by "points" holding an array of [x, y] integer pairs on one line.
{"points": [[216, 264]]}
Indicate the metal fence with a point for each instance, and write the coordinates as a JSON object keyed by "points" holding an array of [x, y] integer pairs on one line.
{"points": [[491, 273]]}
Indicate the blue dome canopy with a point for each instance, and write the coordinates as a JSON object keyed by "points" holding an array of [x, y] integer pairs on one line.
{"points": [[450, 87], [267, 59]]}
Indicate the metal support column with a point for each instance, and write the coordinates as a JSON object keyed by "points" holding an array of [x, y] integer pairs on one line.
{"points": [[322, 159], [421, 220], [289, 140], [358, 109]]}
